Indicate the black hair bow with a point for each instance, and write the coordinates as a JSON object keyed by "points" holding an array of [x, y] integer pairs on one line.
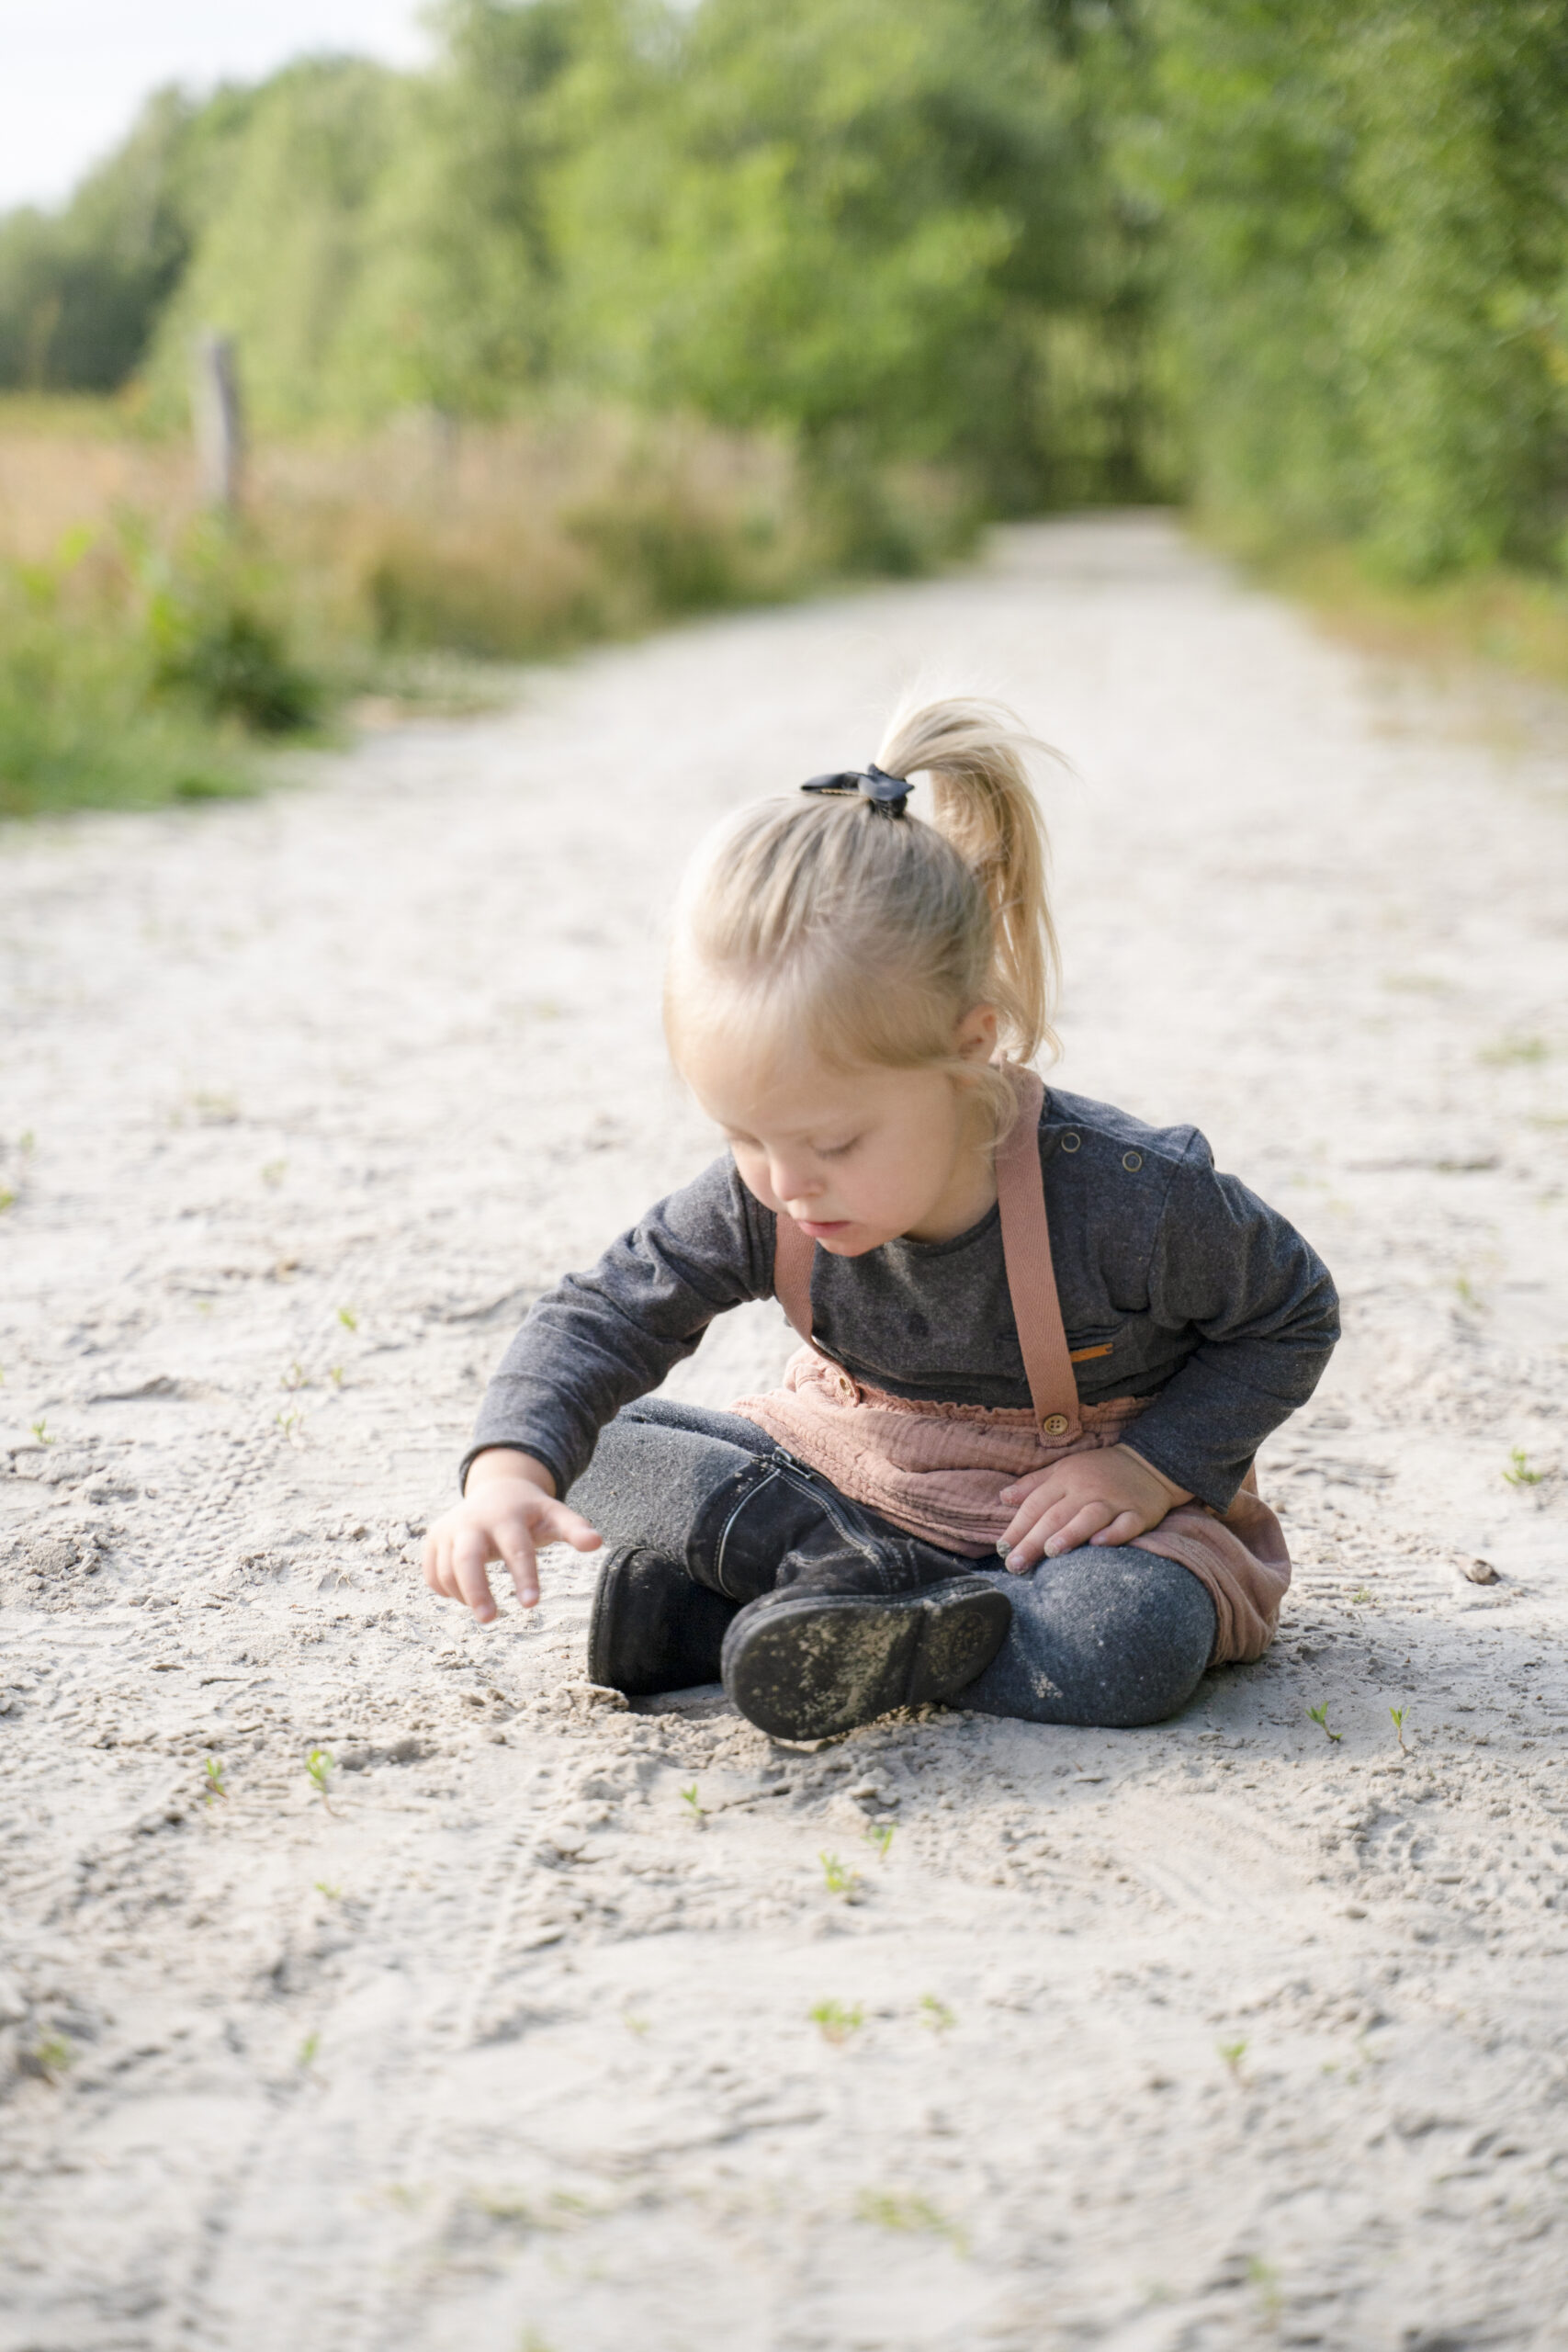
{"points": [[887, 793]]}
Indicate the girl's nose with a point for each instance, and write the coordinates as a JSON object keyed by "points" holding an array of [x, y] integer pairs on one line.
{"points": [[793, 1186]]}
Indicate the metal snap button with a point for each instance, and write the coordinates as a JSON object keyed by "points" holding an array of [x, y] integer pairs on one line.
{"points": [[1071, 1143], [1054, 1425], [1131, 1161]]}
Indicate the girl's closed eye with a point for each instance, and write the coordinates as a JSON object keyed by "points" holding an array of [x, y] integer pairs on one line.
{"points": [[837, 1150]]}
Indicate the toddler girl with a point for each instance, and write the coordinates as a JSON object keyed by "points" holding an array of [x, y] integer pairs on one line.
{"points": [[1030, 1325]]}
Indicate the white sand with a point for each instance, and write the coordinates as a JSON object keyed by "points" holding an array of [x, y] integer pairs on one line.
{"points": [[1218, 2035]]}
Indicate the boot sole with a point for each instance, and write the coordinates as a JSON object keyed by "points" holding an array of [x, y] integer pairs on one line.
{"points": [[812, 1668]]}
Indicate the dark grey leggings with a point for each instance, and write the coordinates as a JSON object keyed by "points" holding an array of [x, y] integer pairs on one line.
{"points": [[1107, 1635]]}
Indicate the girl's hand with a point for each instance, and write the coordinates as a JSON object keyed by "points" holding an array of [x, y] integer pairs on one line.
{"points": [[1104, 1497], [508, 1511]]}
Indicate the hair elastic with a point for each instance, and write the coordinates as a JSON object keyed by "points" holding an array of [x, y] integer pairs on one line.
{"points": [[886, 794]]}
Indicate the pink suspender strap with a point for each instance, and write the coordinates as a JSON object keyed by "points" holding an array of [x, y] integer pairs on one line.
{"points": [[794, 1255], [1026, 1249], [1032, 1278]]}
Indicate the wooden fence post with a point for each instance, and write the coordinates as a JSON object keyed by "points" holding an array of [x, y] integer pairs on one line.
{"points": [[220, 421]]}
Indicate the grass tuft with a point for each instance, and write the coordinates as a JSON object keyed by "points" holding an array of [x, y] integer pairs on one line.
{"points": [[320, 1767], [837, 1877], [908, 2213]]}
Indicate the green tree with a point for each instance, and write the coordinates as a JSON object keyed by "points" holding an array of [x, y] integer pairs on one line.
{"points": [[1369, 259], [846, 217], [81, 291]]}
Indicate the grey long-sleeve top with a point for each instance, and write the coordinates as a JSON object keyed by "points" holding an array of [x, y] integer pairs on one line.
{"points": [[1205, 1298]]}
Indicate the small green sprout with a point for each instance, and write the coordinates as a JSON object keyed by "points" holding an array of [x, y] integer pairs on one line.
{"points": [[27, 1143], [696, 1809], [1518, 1472], [891, 2212], [335, 1374], [215, 1787], [273, 1173], [214, 1109], [1466, 1292], [41, 1431], [834, 2022], [880, 1835], [204, 1306], [1319, 1715], [1515, 1049], [1232, 2052], [348, 1318], [319, 1765], [1265, 2279], [53, 2057], [1396, 1716], [837, 1877], [297, 1376], [290, 1422], [935, 2014], [8, 1199], [1362, 1593], [332, 1892], [633, 2022], [308, 2049]]}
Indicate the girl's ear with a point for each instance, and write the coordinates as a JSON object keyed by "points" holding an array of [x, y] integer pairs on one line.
{"points": [[974, 1039]]}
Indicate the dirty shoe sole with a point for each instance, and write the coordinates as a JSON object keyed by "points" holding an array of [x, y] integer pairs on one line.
{"points": [[809, 1667]]}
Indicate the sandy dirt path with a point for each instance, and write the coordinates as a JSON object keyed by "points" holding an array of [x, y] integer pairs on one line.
{"points": [[1246, 2030]]}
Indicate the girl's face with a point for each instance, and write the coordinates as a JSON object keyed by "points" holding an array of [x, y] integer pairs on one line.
{"points": [[856, 1158]]}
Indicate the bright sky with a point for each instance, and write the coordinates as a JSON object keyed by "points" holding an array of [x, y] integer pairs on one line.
{"points": [[72, 72]]}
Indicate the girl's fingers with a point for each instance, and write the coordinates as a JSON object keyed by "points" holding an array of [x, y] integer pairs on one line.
{"points": [[1033, 1513], [1022, 1488], [1030, 1533], [1080, 1528], [516, 1548], [570, 1527], [458, 1552], [470, 1553], [1121, 1530]]}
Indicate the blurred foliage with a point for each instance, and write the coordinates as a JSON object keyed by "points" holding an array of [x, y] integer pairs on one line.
{"points": [[1303, 261], [856, 220], [88, 716], [1367, 271], [888, 231], [154, 649]]}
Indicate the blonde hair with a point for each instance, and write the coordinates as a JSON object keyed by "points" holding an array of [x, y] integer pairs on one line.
{"points": [[825, 922]]}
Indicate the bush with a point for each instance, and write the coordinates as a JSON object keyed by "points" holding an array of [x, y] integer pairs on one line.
{"points": [[129, 680], [79, 727], [227, 662]]}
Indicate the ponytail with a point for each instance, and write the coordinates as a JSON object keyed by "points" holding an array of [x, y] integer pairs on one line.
{"points": [[976, 755], [827, 923]]}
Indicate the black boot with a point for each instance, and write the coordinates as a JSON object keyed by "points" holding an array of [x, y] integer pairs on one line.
{"points": [[658, 1624], [651, 1628], [859, 1620], [803, 1664]]}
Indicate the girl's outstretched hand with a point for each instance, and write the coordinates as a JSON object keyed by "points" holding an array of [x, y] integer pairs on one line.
{"points": [[1103, 1497], [509, 1511]]}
